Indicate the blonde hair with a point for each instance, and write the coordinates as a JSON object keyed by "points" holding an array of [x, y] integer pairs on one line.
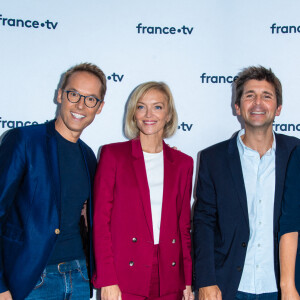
{"points": [[131, 129]]}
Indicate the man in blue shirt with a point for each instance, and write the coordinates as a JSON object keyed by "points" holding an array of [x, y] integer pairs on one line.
{"points": [[239, 191], [45, 186]]}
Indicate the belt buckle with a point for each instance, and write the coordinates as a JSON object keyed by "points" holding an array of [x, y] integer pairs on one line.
{"points": [[58, 267]]}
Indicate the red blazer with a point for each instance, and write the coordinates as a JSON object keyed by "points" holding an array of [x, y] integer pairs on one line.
{"points": [[122, 229]]}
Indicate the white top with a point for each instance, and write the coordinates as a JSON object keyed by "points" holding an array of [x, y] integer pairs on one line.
{"points": [[155, 174], [258, 275]]}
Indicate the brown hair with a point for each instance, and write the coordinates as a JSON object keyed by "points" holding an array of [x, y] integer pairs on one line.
{"points": [[257, 73]]}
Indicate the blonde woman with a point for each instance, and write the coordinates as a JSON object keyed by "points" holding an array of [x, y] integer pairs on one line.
{"points": [[142, 198]]}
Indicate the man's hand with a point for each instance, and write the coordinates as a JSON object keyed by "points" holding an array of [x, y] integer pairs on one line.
{"points": [[6, 296], [210, 293], [111, 292], [173, 147], [188, 293]]}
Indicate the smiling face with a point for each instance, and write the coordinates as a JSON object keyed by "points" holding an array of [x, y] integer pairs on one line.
{"points": [[258, 106], [74, 117], [152, 113]]}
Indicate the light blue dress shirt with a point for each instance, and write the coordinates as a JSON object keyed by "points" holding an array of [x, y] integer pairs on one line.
{"points": [[259, 177]]}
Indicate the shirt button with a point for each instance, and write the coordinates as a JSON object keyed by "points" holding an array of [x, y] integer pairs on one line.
{"points": [[57, 231], [131, 263], [239, 268], [244, 244], [259, 201], [134, 240], [257, 266], [173, 264], [258, 245], [259, 223], [173, 241]]}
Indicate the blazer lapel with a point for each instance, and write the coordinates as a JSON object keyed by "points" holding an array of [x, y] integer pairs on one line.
{"points": [[237, 175], [53, 163], [281, 160], [89, 175], [141, 177], [169, 182]]}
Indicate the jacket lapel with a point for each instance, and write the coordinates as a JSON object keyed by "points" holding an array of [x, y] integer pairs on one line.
{"points": [[281, 160], [89, 175], [169, 182], [53, 163], [142, 182], [237, 175]]}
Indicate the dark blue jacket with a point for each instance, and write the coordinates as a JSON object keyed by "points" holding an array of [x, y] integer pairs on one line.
{"points": [[30, 204], [290, 218], [221, 223]]}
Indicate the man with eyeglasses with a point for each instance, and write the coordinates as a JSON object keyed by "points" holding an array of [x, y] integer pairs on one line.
{"points": [[45, 187]]}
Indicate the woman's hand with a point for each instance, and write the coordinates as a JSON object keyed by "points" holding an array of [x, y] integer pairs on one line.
{"points": [[111, 292], [188, 294]]}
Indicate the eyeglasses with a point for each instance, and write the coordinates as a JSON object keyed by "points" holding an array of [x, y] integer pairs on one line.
{"points": [[89, 101]]}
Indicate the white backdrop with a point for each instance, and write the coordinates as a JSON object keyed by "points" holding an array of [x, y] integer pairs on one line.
{"points": [[216, 37]]}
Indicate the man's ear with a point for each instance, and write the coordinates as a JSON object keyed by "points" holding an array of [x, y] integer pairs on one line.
{"points": [[59, 96], [237, 109], [100, 108], [278, 110]]}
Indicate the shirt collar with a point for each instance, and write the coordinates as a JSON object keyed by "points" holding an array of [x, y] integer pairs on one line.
{"points": [[250, 152]]}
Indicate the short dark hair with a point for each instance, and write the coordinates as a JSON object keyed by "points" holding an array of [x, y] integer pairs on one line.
{"points": [[90, 68], [257, 73]]}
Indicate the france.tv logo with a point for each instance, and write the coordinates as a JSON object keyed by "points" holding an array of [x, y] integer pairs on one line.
{"points": [[217, 78], [27, 23], [163, 30], [284, 29]]}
